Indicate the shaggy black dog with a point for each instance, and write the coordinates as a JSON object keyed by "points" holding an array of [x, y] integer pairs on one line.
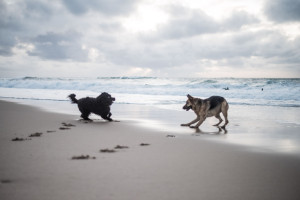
{"points": [[99, 106]]}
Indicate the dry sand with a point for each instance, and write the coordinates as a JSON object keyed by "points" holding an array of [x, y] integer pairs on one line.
{"points": [[63, 160]]}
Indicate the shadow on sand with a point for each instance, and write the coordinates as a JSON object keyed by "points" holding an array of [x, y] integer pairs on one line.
{"points": [[220, 131]]}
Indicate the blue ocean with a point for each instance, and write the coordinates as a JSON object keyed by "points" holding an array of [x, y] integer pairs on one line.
{"points": [[168, 92]]}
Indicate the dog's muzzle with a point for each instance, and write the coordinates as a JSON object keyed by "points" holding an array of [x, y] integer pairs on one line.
{"points": [[187, 108]]}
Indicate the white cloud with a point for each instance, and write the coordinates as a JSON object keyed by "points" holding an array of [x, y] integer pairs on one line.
{"points": [[149, 38], [137, 71]]}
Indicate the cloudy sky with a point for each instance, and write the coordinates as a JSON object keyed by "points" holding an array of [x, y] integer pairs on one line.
{"points": [[168, 38]]}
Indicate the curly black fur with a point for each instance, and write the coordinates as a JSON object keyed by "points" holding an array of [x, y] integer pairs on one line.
{"points": [[99, 106]]}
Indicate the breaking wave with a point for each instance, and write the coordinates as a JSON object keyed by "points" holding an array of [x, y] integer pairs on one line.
{"points": [[155, 90]]}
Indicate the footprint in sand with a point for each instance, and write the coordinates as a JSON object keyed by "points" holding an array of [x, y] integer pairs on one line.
{"points": [[107, 151], [113, 150], [171, 136], [66, 126], [19, 139], [37, 134], [144, 144], [121, 147], [6, 181], [83, 157]]}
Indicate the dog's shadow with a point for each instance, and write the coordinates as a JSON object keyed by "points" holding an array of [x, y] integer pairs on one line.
{"points": [[220, 131], [95, 121]]}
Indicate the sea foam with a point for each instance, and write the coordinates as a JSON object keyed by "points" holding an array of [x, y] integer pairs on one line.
{"points": [[156, 91]]}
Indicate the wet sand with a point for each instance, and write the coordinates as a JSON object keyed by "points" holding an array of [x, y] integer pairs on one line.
{"points": [[57, 156]]}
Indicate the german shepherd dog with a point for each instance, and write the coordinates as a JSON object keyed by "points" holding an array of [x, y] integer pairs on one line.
{"points": [[204, 108]]}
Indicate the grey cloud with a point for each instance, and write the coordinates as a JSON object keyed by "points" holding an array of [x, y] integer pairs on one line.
{"points": [[38, 8], [111, 7], [187, 23], [283, 10], [59, 46], [194, 24], [110, 27], [18, 20], [237, 20], [9, 26], [77, 7], [189, 38], [6, 44], [241, 45]]}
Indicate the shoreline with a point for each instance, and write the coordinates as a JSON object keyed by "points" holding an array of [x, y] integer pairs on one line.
{"points": [[257, 128], [167, 168]]}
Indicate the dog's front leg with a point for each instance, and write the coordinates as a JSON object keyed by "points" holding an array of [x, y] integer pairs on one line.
{"points": [[202, 118], [192, 122], [107, 117]]}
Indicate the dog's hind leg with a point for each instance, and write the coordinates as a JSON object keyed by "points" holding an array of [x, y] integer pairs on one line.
{"points": [[224, 109], [220, 119]]}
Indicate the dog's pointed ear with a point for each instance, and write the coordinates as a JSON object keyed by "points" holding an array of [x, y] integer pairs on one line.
{"points": [[190, 97]]}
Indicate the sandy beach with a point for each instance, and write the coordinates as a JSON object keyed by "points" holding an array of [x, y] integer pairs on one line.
{"points": [[46, 155]]}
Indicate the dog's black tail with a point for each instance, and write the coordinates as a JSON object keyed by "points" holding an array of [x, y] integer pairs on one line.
{"points": [[73, 99]]}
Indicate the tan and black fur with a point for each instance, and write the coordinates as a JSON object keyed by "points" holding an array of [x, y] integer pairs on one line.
{"points": [[204, 108]]}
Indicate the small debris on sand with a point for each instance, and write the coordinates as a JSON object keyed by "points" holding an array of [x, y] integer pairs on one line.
{"points": [[107, 150], [170, 136], [19, 139], [37, 134], [83, 157], [67, 124], [64, 128], [6, 181], [121, 147], [144, 144], [51, 131]]}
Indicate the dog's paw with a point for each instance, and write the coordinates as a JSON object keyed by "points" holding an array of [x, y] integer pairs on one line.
{"points": [[196, 127], [223, 127]]}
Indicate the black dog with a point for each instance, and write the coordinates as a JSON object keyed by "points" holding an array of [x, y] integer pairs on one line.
{"points": [[99, 106]]}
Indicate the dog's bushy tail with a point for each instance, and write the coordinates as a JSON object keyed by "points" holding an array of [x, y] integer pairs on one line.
{"points": [[72, 98]]}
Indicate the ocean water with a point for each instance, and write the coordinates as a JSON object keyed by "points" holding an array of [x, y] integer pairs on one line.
{"points": [[167, 92]]}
